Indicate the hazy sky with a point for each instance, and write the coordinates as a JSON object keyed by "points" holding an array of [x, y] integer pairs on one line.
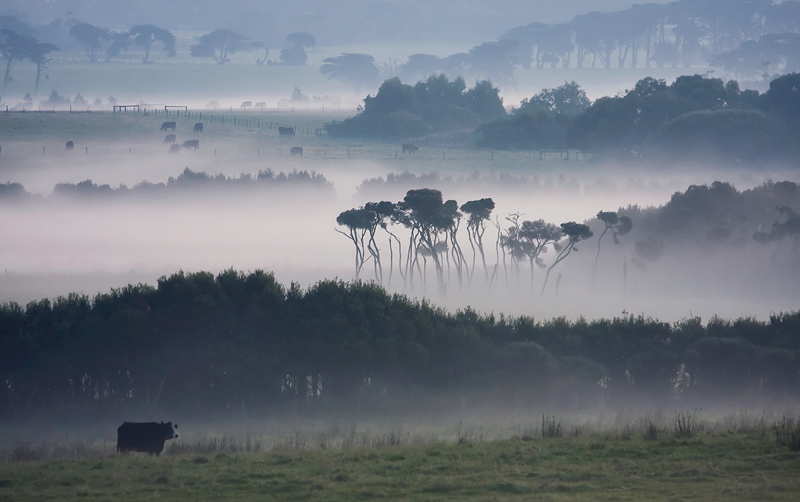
{"points": [[332, 21]]}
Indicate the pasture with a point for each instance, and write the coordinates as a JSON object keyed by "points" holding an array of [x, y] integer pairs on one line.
{"points": [[733, 458]]}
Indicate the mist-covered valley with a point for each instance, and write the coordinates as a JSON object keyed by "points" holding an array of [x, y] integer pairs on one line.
{"points": [[462, 243]]}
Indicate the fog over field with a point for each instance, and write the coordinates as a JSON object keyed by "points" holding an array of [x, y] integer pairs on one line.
{"points": [[59, 244], [314, 225]]}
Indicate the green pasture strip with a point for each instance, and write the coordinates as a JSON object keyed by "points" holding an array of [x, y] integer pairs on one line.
{"points": [[740, 466]]}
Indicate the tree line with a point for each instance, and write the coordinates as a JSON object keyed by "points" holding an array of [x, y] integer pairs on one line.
{"points": [[187, 182], [424, 231], [694, 117], [205, 344], [746, 37]]}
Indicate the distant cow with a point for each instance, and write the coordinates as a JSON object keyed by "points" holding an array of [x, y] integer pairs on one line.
{"points": [[198, 127], [174, 148], [408, 148], [296, 151], [192, 143], [168, 126], [169, 138], [246, 104], [145, 437], [286, 131], [70, 145], [261, 104]]}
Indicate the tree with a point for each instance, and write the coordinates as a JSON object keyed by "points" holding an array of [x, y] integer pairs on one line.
{"points": [[91, 37], [536, 236], [479, 212], [358, 222], [38, 54], [575, 233], [568, 99], [224, 42], [261, 46], [424, 212], [146, 34], [13, 47], [484, 101], [119, 42], [356, 70], [619, 225]]}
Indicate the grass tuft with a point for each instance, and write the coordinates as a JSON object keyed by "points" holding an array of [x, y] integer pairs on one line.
{"points": [[787, 432], [552, 427]]}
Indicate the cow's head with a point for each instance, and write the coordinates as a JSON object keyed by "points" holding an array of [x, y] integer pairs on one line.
{"points": [[172, 431]]}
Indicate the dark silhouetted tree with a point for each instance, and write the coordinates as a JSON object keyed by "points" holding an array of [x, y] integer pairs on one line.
{"points": [[479, 212], [218, 44], [575, 233], [146, 34], [618, 225], [356, 70], [535, 237], [91, 37]]}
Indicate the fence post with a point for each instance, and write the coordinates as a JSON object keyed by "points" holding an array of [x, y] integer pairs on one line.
{"points": [[42, 151]]}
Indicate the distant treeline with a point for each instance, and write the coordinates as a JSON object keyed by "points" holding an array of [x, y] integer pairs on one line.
{"points": [[693, 118], [402, 111], [758, 228], [202, 343], [188, 182]]}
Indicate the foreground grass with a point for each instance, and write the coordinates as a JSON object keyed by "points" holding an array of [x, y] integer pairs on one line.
{"points": [[747, 466]]}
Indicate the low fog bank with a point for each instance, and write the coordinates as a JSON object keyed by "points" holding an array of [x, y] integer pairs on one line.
{"points": [[88, 239]]}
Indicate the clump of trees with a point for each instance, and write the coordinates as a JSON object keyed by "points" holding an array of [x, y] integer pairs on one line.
{"points": [[438, 104], [19, 47], [187, 183], [356, 70], [198, 343], [95, 39], [693, 117]]}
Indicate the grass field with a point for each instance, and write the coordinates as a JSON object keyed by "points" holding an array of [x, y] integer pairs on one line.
{"points": [[630, 464]]}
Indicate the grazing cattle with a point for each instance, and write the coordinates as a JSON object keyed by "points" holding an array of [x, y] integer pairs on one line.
{"points": [[286, 131], [146, 437], [261, 104], [192, 143], [174, 148], [246, 104], [70, 145], [198, 127], [169, 138], [296, 151], [168, 126], [408, 148]]}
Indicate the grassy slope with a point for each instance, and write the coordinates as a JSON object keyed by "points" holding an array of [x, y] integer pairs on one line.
{"points": [[710, 467]]}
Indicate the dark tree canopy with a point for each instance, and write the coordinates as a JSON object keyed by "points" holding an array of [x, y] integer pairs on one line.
{"points": [[92, 37], [219, 45], [146, 34]]}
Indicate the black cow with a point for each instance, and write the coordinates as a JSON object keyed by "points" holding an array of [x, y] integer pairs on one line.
{"points": [[174, 148], [296, 151], [198, 127], [286, 131], [192, 143], [146, 437], [169, 138], [168, 126], [408, 148], [70, 145]]}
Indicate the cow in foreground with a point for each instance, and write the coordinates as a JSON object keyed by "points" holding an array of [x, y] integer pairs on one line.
{"points": [[198, 127], [145, 437], [70, 145], [408, 148], [168, 126], [174, 148], [169, 138], [192, 143], [286, 131], [296, 151]]}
